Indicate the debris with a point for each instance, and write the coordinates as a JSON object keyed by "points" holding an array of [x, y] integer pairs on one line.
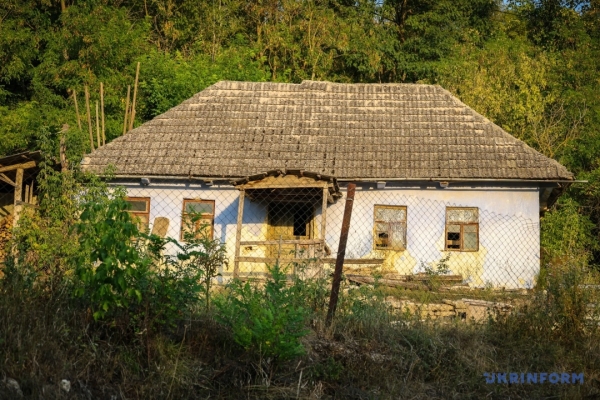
{"points": [[65, 385], [361, 279], [13, 386]]}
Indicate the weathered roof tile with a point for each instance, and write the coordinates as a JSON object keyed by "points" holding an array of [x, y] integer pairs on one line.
{"points": [[236, 129]]}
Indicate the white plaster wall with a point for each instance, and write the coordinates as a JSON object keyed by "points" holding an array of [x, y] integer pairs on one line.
{"points": [[508, 233]]}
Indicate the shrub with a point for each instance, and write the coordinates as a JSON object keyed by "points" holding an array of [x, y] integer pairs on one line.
{"points": [[265, 320], [199, 252]]}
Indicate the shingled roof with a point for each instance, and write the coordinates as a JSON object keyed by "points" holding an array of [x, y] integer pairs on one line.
{"points": [[350, 131]]}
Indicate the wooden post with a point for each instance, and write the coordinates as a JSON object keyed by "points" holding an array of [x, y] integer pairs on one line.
{"points": [[238, 234], [126, 110], [324, 214], [102, 112], [26, 194], [279, 250], [31, 194], [89, 116], [135, 86], [339, 262], [62, 152], [323, 225], [18, 191], [98, 127], [77, 109]]}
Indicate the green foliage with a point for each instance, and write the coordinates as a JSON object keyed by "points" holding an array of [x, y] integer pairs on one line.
{"points": [[169, 79], [567, 235], [110, 266], [125, 273], [171, 288], [82, 244], [199, 252], [439, 268], [265, 320], [44, 242], [329, 369], [530, 66]]}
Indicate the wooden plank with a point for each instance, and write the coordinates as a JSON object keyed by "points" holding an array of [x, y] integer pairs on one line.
{"points": [[160, 226], [256, 186], [89, 117], [98, 127], [324, 260], [443, 278], [29, 164], [272, 242], [271, 260], [238, 234], [77, 109], [356, 261], [369, 280], [102, 111], [19, 186], [126, 109], [6, 179], [22, 205], [324, 213], [63, 153], [135, 87]]}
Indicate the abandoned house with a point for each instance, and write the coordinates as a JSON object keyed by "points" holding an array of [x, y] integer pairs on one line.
{"points": [[267, 165]]}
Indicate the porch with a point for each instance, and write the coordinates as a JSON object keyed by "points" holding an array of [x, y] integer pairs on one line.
{"points": [[294, 227]]}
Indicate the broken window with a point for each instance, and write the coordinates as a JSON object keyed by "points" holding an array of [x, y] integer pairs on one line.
{"points": [[390, 228], [462, 228], [139, 208], [198, 216]]}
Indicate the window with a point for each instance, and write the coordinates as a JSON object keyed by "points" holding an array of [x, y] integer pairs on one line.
{"points": [[389, 232], [462, 229], [139, 208], [204, 223]]}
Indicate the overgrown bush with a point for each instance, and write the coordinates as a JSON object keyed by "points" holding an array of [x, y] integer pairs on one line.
{"points": [[266, 320], [83, 244], [199, 252]]}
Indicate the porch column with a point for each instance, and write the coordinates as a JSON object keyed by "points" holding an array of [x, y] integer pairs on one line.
{"points": [[324, 214], [238, 234]]}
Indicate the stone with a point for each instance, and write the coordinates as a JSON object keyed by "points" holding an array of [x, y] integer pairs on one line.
{"points": [[65, 385], [13, 386]]}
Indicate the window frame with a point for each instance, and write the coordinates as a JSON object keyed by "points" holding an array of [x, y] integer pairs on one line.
{"points": [[145, 213], [184, 215], [462, 230], [376, 221]]}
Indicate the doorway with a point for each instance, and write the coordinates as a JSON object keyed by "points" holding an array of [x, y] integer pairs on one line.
{"points": [[289, 221]]}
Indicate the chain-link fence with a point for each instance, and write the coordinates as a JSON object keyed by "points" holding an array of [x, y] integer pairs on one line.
{"points": [[463, 236]]}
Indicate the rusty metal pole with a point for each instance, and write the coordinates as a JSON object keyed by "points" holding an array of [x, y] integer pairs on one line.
{"points": [[339, 262]]}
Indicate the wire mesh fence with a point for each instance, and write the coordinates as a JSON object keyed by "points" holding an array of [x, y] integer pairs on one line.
{"points": [[18, 190], [402, 236], [465, 237]]}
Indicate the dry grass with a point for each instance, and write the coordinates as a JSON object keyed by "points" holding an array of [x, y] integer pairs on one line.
{"points": [[45, 338]]}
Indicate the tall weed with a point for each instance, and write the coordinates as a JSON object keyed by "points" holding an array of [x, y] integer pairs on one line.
{"points": [[265, 320]]}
